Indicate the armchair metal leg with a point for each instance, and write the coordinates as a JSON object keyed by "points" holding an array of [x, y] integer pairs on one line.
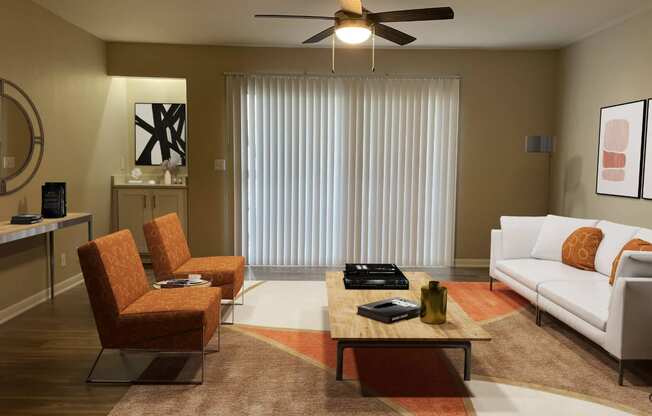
{"points": [[621, 371], [233, 303], [491, 283], [232, 315], [97, 360], [203, 352], [242, 296]]}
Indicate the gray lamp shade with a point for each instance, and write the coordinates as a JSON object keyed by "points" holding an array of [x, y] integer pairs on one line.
{"points": [[539, 144]]}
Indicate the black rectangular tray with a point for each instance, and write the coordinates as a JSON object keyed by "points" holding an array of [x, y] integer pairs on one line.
{"points": [[380, 276], [390, 310]]}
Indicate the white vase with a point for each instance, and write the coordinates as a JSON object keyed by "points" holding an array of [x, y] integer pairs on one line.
{"points": [[167, 178]]}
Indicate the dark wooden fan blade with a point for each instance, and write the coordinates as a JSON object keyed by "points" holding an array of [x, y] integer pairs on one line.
{"points": [[321, 35], [351, 6], [294, 16], [434, 13], [393, 35]]}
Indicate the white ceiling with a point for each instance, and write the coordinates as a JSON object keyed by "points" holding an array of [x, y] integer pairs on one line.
{"points": [[477, 24]]}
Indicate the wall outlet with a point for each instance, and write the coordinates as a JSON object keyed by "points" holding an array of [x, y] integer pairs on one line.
{"points": [[63, 260], [220, 164]]}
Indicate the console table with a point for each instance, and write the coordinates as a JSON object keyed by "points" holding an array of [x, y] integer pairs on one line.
{"points": [[13, 232]]}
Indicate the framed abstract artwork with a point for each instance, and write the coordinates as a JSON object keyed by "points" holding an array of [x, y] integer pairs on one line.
{"points": [[160, 133], [647, 159], [620, 148]]}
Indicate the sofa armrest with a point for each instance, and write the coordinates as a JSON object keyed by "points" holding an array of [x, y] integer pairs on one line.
{"points": [[635, 264], [496, 253], [630, 312]]}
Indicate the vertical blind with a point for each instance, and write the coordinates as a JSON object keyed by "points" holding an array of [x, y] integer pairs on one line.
{"points": [[344, 169]]}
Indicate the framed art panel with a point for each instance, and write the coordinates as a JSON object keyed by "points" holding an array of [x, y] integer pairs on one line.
{"points": [[647, 159], [620, 147], [160, 133]]}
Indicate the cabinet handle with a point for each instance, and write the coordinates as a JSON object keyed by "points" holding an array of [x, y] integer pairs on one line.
{"points": [[145, 201], [154, 201]]}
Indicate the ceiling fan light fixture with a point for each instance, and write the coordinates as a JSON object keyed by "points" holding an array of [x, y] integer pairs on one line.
{"points": [[353, 31]]}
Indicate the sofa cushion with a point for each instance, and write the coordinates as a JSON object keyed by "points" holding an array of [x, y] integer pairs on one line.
{"points": [[519, 235], [532, 272], [586, 299], [580, 247], [615, 237], [554, 231]]}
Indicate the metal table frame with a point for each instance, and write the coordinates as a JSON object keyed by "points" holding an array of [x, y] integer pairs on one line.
{"points": [[48, 227], [343, 344]]}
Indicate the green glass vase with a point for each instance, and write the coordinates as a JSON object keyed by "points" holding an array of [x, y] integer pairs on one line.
{"points": [[433, 303]]}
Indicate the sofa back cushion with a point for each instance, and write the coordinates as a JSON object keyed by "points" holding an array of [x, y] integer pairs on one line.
{"points": [[580, 247], [615, 237], [519, 234], [554, 231]]}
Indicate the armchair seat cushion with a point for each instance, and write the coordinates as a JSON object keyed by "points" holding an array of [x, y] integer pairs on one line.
{"points": [[224, 271], [588, 300], [170, 319]]}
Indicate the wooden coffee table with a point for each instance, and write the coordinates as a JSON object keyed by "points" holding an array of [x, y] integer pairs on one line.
{"points": [[354, 331]]}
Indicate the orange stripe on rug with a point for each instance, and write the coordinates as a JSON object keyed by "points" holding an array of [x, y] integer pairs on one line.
{"points": [[482, 304], [419, 380]]}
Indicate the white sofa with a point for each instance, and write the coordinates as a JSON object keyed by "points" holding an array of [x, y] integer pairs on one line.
{"points": [[618, 318]]}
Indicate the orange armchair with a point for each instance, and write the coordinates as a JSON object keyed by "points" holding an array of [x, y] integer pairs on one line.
{"points": [[130, 315], [171, 258]]}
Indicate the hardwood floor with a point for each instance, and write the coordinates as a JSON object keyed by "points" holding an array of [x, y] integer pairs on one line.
{"points": [[45, 353]]}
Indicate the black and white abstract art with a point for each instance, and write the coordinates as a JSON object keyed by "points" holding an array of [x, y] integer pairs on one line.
{"points": [[160, 133]]}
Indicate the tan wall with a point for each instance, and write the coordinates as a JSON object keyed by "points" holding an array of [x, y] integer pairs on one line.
{"points": [[611, 67], [505, 96], [63, 70]]}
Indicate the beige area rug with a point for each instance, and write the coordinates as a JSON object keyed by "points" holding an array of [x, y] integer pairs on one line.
{"points": [[263, 371]]}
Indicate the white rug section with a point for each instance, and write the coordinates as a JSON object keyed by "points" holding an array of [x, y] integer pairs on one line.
{"points": [[495, 399], [285, 304], [304, 305]]}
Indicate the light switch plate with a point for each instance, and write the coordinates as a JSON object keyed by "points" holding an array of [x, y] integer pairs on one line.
{"points": [[220, 164], [8, 162]]}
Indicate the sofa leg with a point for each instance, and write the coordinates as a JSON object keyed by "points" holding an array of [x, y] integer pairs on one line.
{"points": [[491, 283], [538, 316], [621, 371]]}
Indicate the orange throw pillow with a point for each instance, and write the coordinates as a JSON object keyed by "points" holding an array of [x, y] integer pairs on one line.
{"points": [[580, 247], [633, 245]]}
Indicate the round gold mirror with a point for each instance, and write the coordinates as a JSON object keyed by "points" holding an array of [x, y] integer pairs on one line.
{"points": [[21, 145]]}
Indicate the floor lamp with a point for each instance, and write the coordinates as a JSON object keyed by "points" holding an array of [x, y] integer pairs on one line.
{"points": [[542, 144]]}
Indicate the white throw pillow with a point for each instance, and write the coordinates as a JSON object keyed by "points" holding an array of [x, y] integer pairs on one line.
{"points": [[554, 231], [519, 235], [614, 237]]}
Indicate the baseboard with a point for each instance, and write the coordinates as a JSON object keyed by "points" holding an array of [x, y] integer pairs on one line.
{"points": [[26, 304], [479, 263]]}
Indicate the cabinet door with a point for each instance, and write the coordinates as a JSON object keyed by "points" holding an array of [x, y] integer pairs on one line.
{"points": [[166, 201], [134, 210]]}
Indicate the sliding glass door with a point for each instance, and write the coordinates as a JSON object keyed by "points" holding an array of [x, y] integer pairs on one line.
{"points": [[337, 169]]}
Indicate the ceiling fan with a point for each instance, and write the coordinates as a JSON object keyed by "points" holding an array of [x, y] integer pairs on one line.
{"points": [[354, 24]]}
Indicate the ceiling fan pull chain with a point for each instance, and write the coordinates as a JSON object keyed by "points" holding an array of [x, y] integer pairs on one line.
{"points": [[333, 56], [373, 48]]}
